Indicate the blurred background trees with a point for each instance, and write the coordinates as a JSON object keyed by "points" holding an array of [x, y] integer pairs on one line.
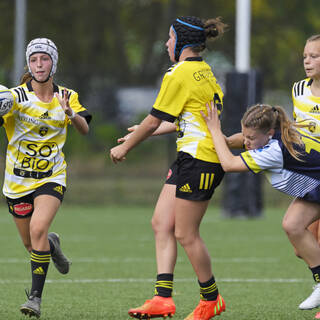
{"points": [[113, 53], [122, 41]]}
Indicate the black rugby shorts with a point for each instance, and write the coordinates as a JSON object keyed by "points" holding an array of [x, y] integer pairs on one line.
{"points": [[194, 179]]}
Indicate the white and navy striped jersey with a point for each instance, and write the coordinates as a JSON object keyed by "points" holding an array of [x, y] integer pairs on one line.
{"points": [[306, 107], [36, 134], [285, 173]]}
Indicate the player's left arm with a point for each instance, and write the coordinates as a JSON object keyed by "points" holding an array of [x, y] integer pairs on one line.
{"points": [[229, 162]]}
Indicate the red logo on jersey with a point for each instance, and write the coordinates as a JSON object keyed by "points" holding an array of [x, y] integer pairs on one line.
{"points": [[22, 209], [169, 174]]}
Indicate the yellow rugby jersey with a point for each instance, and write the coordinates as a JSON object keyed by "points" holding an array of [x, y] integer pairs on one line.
{"points": [[186, 88], [36, 134], [306, 107]]}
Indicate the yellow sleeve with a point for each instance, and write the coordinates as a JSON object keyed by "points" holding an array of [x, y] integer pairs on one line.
{"points": [[77, 107], [74, 103], [172, 96], [250, 162]]}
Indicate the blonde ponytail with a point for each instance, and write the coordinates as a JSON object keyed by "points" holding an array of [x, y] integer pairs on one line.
{"points": [[26, 77]]}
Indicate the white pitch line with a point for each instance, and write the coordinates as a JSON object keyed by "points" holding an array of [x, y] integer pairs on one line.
{"points": [[144, 260], [128, 280]]}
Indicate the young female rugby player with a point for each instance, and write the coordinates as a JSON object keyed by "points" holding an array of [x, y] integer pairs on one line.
{"points": [[35, 174], [195, 174], [306, 102], [292, 161]]}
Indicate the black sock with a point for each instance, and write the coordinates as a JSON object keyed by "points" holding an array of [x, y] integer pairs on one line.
{"points": [[316, 273], [39, 266], [164, 285], [208, 290]]}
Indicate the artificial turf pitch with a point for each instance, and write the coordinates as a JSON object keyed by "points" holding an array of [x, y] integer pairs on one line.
{"points": [[113, 266]]}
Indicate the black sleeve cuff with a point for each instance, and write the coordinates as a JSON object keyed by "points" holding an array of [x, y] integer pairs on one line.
{"points": [[1, 121], [86, 115], [162, 115]]}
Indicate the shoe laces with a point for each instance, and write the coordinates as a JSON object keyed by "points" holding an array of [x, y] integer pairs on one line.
{"points": [[316, 290], [202, 308], [31, 295]]}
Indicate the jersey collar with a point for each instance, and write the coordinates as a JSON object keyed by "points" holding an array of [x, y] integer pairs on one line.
{"points": [[29, 86], [194, 59]]}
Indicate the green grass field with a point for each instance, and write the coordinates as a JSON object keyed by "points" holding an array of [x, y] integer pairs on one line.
{"points": [[113, 268]]}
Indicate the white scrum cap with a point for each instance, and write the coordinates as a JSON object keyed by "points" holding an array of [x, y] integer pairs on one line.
{"points": [[43, 45]]}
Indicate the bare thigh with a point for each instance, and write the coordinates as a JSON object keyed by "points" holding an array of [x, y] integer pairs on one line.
{"points": [[164, 216], [23, 226], [163, 222], [301, 215], [188, 217], [45, 209]]}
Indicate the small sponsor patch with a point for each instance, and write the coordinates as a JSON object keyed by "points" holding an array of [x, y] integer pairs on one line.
{"points": [[22, 209], [43, 131]]}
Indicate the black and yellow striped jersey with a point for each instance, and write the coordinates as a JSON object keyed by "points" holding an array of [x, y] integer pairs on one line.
{"points": [[306, 107], [186, 88], [36, 134]]}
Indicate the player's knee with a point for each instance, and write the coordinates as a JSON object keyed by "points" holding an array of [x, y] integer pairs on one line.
{"points": [[37, 232], [184, 238], [154, 224], [286, 226], [291, 229], [297, 253], [161, 226]]}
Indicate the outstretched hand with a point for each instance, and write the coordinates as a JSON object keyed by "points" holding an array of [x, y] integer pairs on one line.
{"points": [[212, 119], [64, 102], [126, 137]]}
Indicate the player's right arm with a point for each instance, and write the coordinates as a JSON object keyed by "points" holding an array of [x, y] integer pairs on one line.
{"points": [[164, 128], [229, 162], [236, 141], [144, 130]]}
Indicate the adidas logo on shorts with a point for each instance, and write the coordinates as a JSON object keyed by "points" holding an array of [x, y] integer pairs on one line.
{"points": [[58, 189], [185, 188]]}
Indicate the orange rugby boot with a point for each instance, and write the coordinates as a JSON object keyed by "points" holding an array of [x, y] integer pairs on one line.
{"points": [[206, 310], [155, 308]]}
